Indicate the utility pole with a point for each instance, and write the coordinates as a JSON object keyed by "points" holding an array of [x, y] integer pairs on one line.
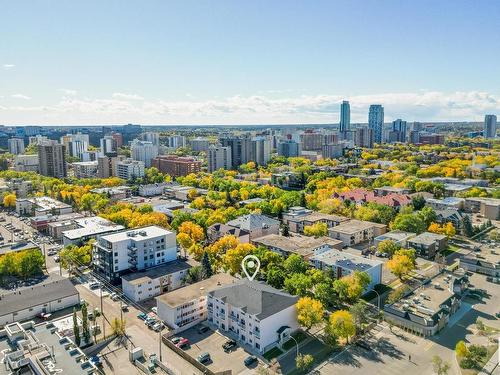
{"points": [[102, 313], [159, 338]]}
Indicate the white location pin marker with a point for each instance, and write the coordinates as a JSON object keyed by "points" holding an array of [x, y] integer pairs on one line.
{"points": [[250, 265]]}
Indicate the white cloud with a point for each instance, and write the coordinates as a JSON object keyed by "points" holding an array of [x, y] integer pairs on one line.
{"points": [[69, 92], [8, 66], [120, 95], [21, 96], [257, 109]]}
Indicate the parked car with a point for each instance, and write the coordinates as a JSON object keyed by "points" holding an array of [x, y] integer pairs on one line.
{"points": [[204, 357], [250, 360], [57, 259], [176, 340], [124, 307], [229, 345], [154, 309], [184, 343], [94, 285], [203, 329], [142, 316], [157, 327]]}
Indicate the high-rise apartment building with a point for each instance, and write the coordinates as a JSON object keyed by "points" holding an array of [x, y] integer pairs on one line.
{"points": [[345, 117], [219, 157], [129, 169], [143, 151], [364, 137], [175, 141], [288, 148], [261, 150], [106, 166], [376, 122], [398, 133], [16, 146], [152, 137], [109, 146], [52, 159], [490, 126], [199, 144], [176, 166]]}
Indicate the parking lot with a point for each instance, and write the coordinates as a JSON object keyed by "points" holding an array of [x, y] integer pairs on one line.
{"points": [[211, 342]]}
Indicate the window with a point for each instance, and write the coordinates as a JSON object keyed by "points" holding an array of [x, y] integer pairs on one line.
{"points": [[116, 253]]}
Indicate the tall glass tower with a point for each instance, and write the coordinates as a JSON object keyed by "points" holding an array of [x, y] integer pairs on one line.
{"points": [[376, 121], [345, 116]]}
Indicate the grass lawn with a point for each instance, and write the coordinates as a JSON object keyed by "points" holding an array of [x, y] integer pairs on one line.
{"points": [[272, 353], [491, 350], [380, 288], [450, 249], [298, 336], [318, 358]]}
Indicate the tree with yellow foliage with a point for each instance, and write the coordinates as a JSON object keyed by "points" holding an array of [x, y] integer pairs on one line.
{"points": [[340, 324], [9, 200], [316, 230], [233, 257], [309, 312], [447, 229], [400, 265]]}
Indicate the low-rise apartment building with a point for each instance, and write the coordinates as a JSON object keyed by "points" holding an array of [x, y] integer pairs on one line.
{"points": [[488, 208], [87, 228], [486, 263], [297, 218], [176, 166], [397, 236], [255, 314], [428, 309], [53, 294], [218, 230], [428, 244], [256, 225], [304, 246], [187, 306], [133, 250], [353, 232], [340, 264], [140, 286], [39, 206]]}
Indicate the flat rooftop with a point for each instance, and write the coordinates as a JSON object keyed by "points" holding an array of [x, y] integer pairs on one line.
{"points": [[18, 246], [317, 216], [352, 226], [140, 234], [196, 290], [427, 238], [395, 235], [136, 278], [91, 226], [346, 260], [426, 300], [486, 257], [47, 203], [301, 245]]}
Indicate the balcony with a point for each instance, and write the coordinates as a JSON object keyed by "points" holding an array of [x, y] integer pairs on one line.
{"points": [[241, 324], [233, 317], [256, 334], [133, 261]]}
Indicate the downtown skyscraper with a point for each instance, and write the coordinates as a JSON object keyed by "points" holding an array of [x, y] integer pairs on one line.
{"points": [[376, 122], [345, 117], [490, 126]]}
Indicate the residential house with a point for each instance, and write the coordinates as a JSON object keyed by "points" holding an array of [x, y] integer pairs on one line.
{"points": [[297, 218], [218, 230]]}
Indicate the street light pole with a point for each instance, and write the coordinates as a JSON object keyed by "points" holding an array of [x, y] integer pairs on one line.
{"points": [[296, 344], [159, 338]]}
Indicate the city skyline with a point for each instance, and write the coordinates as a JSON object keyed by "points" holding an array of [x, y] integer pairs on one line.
{"points": [[246, 63]]}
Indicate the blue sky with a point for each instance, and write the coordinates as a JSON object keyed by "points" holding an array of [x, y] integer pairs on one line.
{"points": [[198, 62]]}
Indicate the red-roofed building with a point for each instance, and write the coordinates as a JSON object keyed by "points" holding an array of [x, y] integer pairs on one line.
{"points": [[361, 196]]}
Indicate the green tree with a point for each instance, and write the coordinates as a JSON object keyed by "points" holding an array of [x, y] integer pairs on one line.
{"points": [[298, 284], [388, 247], [418, 202], [275, 277], [467, 228], [428, 215], [206, 267], [440, 367], [409, 223], [304, 362], [295, 264], [360, 313], [76, 329], [85, 323], [325, 293]]}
